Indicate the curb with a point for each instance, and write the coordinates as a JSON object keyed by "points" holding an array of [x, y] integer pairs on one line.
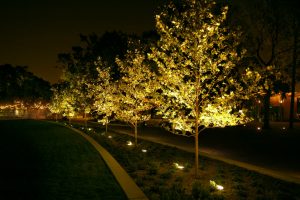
{"points": [[132, 191]]}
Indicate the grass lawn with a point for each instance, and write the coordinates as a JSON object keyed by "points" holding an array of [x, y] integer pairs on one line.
{"points": [[40, 160], [156, 174]]}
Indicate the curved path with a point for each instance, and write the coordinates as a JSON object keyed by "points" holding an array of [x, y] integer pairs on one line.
{"points": [[271, 152], [40, 160], [132, 191]]}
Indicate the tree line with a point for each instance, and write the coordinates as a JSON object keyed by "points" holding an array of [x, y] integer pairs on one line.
{"points": [[205, 65], [18, 84]]}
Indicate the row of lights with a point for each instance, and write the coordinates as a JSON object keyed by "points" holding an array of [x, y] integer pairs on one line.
{"points": [[259, 128], [178, 166]]}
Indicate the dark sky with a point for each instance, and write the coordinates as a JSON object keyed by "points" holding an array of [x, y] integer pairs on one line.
{"points": [[33, 32]]}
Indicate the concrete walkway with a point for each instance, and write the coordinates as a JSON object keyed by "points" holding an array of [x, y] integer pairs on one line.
{"points": [[132, 191], [183, 144]]}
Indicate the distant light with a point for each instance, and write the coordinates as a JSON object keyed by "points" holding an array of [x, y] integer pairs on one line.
{"points": [[178, 166], [215, 185], [280, 101], [258, 128], [144, 150], [258, 101], [283, 128], [82, 128], [109, 136], [129, 143], [90, 129], [220, 187]]}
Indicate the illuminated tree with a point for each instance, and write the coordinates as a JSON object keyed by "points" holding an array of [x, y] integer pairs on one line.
{"points": [[105, 94], [197, 59], [82, 100], [63, 101], [135, 89]]}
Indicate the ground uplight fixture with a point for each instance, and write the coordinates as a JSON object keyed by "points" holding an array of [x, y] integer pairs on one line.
{"points": [[89, 129], [178, 166], [109, 136], [258, 128], [129, 143], [283, 128], [144, 150], [215, 185]]}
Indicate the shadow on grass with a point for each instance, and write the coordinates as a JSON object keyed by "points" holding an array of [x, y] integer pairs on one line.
{"points": [[43, 161]]}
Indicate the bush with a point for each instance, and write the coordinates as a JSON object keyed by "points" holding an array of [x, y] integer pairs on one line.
{"points": [[167, 175], [175, 192], [199, 192], [152, 168]]}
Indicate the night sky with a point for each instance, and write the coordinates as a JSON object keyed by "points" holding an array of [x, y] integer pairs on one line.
{"points": [[33, 32]]}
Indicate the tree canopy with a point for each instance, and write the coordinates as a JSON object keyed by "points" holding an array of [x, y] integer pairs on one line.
{"points": [[17, 83]]}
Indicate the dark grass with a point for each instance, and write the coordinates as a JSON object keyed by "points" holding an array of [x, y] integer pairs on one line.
{"points": [[154, 172], [40, 160]]}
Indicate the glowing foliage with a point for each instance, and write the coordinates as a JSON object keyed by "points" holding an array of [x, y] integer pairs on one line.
{"points": [[198, 61], [63, 102], [135, 89], [104, 93]]}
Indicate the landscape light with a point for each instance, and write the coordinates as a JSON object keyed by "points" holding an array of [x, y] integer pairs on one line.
{"points": [[178, 166], [144, 150], [109, 136], [129, 143], [283, 128], [258, 128], [89, 129], [215, 185]]}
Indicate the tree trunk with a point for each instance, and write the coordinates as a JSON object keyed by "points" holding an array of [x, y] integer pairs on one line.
{"points": [[85, 120], [292, 106], [135, 132], [106, 125], [197, 127], [196, 149], [267, 109]]}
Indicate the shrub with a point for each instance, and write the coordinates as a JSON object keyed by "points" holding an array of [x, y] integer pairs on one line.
{"points": [[152, 168], [199, 192], [175, 192], [167, 175]]}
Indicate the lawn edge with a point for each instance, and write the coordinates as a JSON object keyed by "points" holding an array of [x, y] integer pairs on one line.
{"points": [[264, 171], [132, 191]]}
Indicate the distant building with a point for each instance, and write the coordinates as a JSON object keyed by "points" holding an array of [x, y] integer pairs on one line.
{"points": [[280, 107]]}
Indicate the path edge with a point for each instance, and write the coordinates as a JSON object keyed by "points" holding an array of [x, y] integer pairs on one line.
{"points": [[132, 191]]}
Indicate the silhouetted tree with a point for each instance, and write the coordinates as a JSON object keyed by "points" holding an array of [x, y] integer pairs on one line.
{"points": [[17, 83], [266, 42]]}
